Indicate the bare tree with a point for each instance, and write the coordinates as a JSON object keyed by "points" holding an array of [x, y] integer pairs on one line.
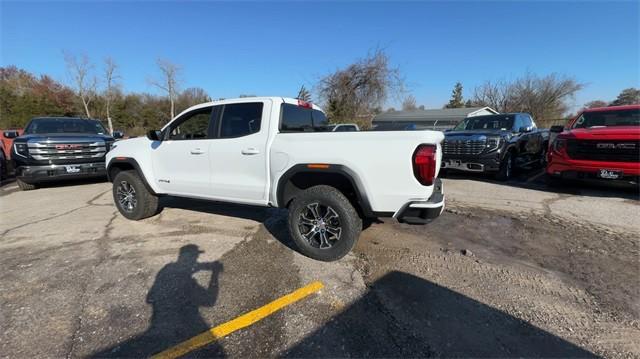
{"points": [[409, 104], [191, 96], [494, 95], [543, 97], [630, 96], [595, 103], [85, 85], [169, 82], [356, 92], [110, 75]]}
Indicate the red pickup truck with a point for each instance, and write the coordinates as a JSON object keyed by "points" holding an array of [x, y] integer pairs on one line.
{"points": [[599, 143], [5, 149]]}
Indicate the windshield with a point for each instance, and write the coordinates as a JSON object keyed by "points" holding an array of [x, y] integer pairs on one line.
{"points": [[497, 122], [608, 119], [64, 125]]}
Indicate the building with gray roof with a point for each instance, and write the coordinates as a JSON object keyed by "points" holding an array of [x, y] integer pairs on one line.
{"points": [[433, 119]]}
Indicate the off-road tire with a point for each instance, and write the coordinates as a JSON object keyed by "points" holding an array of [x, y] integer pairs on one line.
{"points": [[146, 202], [349, 220], [505, 172], [543, 155], [552, 181], [24, 186]]}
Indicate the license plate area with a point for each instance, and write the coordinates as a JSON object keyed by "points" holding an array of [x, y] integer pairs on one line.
{"points": [[455, 164], [609, 174], [72, 169]]}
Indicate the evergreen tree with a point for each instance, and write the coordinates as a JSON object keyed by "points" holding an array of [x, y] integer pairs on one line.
{"points": [[456, 100], [304, 94]]}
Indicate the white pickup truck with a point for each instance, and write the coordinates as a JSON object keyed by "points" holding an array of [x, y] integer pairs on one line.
{"points": [[280, 152]]}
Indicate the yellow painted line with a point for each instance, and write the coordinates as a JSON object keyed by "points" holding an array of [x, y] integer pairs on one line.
{"points": [[240, 322]]}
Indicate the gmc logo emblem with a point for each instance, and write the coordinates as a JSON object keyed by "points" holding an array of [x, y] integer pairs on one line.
{"points": [[68, 147], [623, 146]]}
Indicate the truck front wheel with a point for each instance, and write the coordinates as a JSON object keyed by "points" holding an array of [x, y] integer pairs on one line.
{"points": [[506, 167], [133, 199], [24, 186], [323, 223]]}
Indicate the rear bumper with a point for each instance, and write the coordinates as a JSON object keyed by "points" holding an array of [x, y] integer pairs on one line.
{"points": [[423, 212], [35, 174]]}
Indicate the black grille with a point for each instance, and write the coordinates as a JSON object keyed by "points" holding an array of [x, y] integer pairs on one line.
{"points": [[604, 150], [463, 147]]}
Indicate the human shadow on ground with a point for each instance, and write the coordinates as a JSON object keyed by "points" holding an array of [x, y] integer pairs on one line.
{"points": [[176, 298], [405, 316]]}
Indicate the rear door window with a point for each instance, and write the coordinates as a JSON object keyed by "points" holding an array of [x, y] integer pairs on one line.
{"points": [[301, 119], [241, 119]]}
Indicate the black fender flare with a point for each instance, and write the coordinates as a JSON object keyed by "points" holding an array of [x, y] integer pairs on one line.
{"points": [[133, 163], [345, 171]]}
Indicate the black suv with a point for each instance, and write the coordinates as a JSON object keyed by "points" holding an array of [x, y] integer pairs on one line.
{"points": [[56, 148], [495, 144]]}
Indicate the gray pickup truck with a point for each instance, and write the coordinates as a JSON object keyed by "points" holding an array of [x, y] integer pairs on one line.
{"points": [[59, 148], [496, 144]]}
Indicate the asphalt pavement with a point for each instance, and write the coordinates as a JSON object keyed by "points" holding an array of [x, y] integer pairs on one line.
{"points": [[503, 272]]}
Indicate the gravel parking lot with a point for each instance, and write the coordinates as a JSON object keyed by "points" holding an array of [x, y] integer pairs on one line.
{"points": [[509, 270]]}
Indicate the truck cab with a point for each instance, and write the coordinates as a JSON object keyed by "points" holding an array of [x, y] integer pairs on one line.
{"points": [[600, 143]]}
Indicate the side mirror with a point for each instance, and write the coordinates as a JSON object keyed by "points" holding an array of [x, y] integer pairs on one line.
{"points": [[556, 129], [11, 134], [525, 129], [154, 135], [117, 135]]}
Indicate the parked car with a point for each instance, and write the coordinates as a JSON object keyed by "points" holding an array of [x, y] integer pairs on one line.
{"points": [[600, 143], [395, 127], [58, 148], [496, 144], [6, 141], [274, 151], [343, 127]]}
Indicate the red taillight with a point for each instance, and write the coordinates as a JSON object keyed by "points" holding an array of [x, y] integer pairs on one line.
{"points": [[305, 104], [424, 164]]}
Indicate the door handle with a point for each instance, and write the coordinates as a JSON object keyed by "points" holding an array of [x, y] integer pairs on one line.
{"points": [[250, 151], [197, 151]]}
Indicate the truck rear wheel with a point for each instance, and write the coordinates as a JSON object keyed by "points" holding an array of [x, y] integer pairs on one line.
{"points": [[323, 223], [131, 196], [24, 186]]}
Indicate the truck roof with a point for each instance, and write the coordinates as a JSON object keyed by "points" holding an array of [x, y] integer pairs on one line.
{"points": [[63, 118], [289, 100], [613, 108]]}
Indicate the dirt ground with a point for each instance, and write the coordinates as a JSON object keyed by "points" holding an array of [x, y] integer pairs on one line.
{"points": [[508, 270]]}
